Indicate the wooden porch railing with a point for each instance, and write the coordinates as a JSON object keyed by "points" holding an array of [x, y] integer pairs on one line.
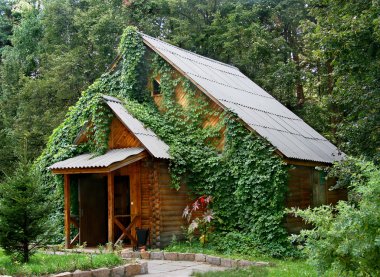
{"points": [[74, 222], [126, 230]]}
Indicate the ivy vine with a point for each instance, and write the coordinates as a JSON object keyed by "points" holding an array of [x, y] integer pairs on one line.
{"points": [[247, 180]]}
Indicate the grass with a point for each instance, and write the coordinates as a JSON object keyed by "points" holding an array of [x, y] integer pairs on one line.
{"points": [[41, 264], [282, 268]]}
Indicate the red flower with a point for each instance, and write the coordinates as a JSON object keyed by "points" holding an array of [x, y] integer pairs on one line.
{"points": [[202, 199]]}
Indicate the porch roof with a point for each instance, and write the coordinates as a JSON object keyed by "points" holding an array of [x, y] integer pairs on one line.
{"points": [[88, 163]]}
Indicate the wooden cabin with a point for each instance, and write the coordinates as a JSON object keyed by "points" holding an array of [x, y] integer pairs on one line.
{"points": [[130, 185]]}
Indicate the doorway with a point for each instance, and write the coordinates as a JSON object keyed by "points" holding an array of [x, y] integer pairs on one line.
{"points": [[93, 207]]}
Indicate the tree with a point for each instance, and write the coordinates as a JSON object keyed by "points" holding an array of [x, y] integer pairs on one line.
{"points": [[57, 49], [24, 210], [343, 43]]}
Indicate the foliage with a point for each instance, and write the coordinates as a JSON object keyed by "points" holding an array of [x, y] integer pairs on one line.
{"points": [[44, 264], [56, 49], [346, 238], [343, 48], [24, 210], [199, 224], [132, 51]]}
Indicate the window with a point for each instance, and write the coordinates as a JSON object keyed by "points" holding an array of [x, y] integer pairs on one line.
{"points": [[156, 88]]}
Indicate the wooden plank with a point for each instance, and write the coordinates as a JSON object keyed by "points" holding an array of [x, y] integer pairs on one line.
{"points": [[121, 137], [66, 189], [75, 239], [111, 206]]}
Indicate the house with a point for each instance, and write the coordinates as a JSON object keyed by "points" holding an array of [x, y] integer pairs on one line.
{"points": [[129, 186]]}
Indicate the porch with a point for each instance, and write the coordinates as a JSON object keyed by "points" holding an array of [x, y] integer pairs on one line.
{"points": [[102, 197]]}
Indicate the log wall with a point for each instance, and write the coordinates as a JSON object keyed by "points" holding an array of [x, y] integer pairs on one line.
{"points": [[306, 189], [161, 205], [173, 202]]}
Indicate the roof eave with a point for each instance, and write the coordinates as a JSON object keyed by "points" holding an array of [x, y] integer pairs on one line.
{"points": [[107, 169]]}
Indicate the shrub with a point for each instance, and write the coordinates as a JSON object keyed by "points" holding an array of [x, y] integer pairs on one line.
{"points": [[24, 211], [199, 224], [347, 238]]}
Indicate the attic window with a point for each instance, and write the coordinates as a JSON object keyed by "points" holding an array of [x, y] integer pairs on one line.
{"points": [[156, 88]]}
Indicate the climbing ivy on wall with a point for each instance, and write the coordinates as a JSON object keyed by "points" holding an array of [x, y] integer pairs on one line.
{"points": [[247, 180]]}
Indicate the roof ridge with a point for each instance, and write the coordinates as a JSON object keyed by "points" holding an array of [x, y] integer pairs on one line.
{"points": [[190, 52]]}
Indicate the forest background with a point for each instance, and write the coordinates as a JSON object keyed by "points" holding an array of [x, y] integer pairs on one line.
{"points": [[320, 58]]}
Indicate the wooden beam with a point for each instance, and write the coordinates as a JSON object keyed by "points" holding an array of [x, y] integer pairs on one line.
{"points": [[111, 207], [66, 178]]}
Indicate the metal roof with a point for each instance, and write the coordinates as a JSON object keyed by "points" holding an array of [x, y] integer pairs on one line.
{"points": [[91, 161], [232, 90], [155, 146]]}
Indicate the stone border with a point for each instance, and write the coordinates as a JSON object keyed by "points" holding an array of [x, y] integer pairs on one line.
{"points": [[120, 271], [194, 257]]}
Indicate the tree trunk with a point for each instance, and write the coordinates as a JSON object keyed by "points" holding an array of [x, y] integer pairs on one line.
{"points": [[299, 86], [334, 118], [26, 252]]}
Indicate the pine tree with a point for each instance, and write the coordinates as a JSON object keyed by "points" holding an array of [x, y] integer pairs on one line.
{"points": [[24, 210]]}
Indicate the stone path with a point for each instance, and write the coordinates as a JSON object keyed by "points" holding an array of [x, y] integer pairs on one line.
{"points": [[163, 268]]}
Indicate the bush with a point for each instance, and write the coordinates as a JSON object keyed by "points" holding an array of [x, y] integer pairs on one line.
{"points": [[347, 238], [24, 211]]}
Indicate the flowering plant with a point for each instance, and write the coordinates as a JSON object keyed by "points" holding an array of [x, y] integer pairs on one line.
{"points": [[199, 224]]}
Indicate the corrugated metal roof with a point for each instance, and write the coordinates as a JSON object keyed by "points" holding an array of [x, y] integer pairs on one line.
{"points": [[232, 90], [91, 161], [147, 137]]}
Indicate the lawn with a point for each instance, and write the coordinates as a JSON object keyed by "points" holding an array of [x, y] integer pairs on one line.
{"points": [[282, 268], [41, 264]]}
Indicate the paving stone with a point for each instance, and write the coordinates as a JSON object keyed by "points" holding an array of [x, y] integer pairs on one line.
{"points": [[186, 256], [244, 263], [101, 272], [145, 255], [80, 273], [63, 274], [213, 260], [171, 256], [144, 268], [118, 271], [157, 255], [166, 268], [132, 269], [200, 257]]}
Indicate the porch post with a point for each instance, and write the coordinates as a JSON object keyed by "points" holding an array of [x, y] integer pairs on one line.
{"points": [[66, 178], [111, 206]]}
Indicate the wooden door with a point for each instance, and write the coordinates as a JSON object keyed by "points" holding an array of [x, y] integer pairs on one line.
{"points": [[122, 202], [93, 209]]}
